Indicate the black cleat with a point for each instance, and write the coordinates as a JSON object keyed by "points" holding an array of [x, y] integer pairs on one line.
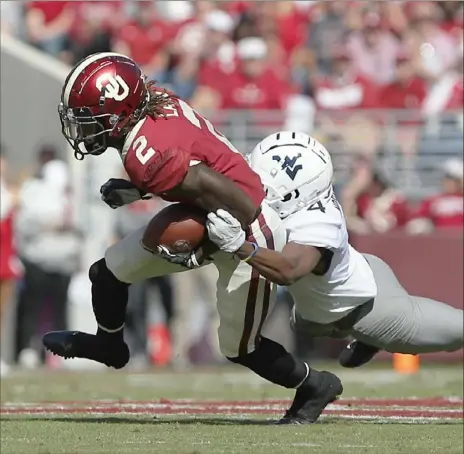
{"points": [[357, 354], [310, 400], [74, 344]]}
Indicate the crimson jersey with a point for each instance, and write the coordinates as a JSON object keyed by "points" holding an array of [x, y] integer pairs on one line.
{"points": [[444, 210], [403, 96], [386, 212], [350, 92], [158, 153]]}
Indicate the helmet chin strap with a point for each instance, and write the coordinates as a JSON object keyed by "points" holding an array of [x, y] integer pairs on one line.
{"points": [[82, 152], [79, 155]]}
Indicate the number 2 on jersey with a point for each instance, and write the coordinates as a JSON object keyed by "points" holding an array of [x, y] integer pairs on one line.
{"points": [[143, 153], [195, 117]]}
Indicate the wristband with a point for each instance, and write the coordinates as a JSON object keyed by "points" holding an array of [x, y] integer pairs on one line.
{"points": [[255, 251]]}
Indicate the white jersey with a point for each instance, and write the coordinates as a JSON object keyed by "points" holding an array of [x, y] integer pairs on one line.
{"points": [[348, 283]]}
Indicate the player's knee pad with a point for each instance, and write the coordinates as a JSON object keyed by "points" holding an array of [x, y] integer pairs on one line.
{"points": [[271, 361]]}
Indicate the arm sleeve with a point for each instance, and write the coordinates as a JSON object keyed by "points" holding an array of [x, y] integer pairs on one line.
{"points": [[163, 171]]}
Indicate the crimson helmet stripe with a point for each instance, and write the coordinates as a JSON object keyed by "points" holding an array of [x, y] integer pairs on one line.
{"points": [[74, 74]]}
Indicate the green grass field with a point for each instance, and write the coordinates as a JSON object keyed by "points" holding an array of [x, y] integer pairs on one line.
{"points": [[228, 410]]}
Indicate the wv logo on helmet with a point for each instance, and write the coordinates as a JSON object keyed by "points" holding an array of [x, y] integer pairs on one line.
{"points": [[289, 165], [114, 87]]}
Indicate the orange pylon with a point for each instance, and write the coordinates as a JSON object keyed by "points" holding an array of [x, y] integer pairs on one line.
{"points": [[406, 364]]}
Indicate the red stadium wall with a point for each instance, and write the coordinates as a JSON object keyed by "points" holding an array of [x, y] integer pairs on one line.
{"points": [[430, 266]]}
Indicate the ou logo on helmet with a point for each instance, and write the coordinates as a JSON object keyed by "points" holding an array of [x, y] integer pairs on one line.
{"points": [[115, 87]]}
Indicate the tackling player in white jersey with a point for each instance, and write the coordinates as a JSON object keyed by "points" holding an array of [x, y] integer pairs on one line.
{"points": [[337, 291]]}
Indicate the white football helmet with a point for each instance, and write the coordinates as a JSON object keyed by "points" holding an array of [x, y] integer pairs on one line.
{"points": [[295, 169]]}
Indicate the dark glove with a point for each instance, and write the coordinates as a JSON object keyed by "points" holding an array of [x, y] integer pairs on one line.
{"points": [[117, 192], [187, 260]]}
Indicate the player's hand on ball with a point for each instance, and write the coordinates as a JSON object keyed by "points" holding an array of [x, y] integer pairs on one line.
{"points": [[117, 192], [186, 259], [225, 231]]}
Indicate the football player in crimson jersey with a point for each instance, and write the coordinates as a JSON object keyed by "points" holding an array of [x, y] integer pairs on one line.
{"points": [[169, 150], [337, 291]]}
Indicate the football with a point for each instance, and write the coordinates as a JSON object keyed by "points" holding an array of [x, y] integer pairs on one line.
{"points": [[179, 227]]}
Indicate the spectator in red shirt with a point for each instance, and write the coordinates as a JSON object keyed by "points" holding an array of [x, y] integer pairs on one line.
{"points": [[374, 50], [144, 39], [217, 50], [253, 85], [107, 13], [371, 204], [93, 30], [48, 24], [204, 54], [292, 23], [344, 87], [191, 34], [444, 210], [407, 91]]}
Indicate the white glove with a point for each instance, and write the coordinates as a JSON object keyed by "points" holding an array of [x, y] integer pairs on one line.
{"points": [[225, 231]]}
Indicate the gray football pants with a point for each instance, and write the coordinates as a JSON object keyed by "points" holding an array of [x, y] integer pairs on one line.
{"points": [[395, 321]]}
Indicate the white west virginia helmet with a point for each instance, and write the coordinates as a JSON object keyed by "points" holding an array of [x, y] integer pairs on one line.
{"points": [[295, 169]]}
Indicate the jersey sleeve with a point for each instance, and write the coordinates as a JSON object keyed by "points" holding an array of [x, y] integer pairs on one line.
{"points": [[310, 230], [160, 171]]}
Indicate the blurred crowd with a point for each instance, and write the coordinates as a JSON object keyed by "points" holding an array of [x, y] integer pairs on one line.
{"points": [[308, 56], [42, 270], [242, 54], [372, 204]]}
